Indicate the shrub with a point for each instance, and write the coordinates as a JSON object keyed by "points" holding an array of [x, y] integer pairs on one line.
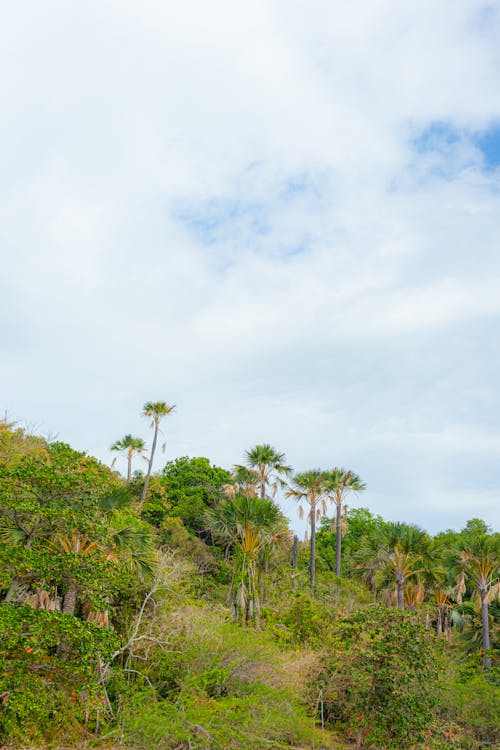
{"points": [[379, 675], [48, 676]]}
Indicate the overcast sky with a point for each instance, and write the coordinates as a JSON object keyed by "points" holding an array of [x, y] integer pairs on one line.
{"points": [[283, 217]]}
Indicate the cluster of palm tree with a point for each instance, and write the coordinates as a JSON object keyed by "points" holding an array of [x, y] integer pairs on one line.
{"points": [[250, 502], [400, 562], [131, 446], [407, 568], [317, 489]]}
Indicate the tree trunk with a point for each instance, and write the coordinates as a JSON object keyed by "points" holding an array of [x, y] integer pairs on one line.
{"points": [[486, 629], [401, 591], [150, 465], [263, 571], [338, 539], [312, 551], [295, 554], [69, 602], [439, 626], [129, 468]]}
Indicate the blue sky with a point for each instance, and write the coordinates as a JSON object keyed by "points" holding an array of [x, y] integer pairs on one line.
{"points": [[284, 219]]}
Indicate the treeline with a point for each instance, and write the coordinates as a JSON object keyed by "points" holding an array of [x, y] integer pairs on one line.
{"points": [[182, 596]]}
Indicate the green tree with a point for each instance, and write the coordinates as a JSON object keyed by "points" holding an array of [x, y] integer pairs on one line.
{"points": [[67, 529], [129, 446], [338, 483], [308, 487], [156, 410], [191, 486]]}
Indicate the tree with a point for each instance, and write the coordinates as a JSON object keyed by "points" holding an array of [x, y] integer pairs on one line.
{"points": [[157, 410], [480, 564], [308, 487], [67, 530], [191, 486], [268, 466], [338, 484], [40, 493], [129, 446], [249, 525]]}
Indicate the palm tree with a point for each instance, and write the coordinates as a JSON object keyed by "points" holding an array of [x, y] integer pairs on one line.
{"points": [[338, 484], [156, 410], [308, 487], [268, 466], [481, 565], [408, 551], [401, 567], [243, 482], [250, 525], [129, 446]]}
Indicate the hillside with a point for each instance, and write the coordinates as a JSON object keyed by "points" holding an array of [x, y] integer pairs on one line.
{"points": [[176, 610]]}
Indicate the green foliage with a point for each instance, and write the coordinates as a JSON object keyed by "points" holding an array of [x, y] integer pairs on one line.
{"points": [[218, 686], [379, 676], [49, 674], [176, 537], [190, 486], [473, 703]]}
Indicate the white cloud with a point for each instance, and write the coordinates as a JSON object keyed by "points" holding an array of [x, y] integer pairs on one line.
{"points": [[223, 205]]}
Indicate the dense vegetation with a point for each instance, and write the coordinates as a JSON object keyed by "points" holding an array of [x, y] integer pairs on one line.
{"points": [[175, 609]]}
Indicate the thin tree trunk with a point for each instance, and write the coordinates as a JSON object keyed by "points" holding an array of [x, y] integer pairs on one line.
{"points": [[338, 539], [295, 554], [263, 572], [401, 591], [439, 627], [256, 598], [486, 629], [312, 551], [129, 468], [150, 465]]}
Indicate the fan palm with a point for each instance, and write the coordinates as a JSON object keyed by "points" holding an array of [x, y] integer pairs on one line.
{"points": [[338, 484], [268, 467], [308, 487], [129, 446], [157, 410], [480, 564], [249, 524]]}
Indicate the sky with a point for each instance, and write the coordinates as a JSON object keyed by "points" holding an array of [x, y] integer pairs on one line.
{"points": [[283, 217]]}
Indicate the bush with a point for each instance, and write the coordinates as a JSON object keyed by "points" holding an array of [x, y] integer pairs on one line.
{"points": [[48, 672], [379, 677], [474, 703]]}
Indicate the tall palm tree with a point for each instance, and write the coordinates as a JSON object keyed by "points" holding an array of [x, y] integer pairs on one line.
{"points": [[339, 482], [481, 565], [156, 410], [268, 466], [308, 487], [250, 525], [129, 446]]}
